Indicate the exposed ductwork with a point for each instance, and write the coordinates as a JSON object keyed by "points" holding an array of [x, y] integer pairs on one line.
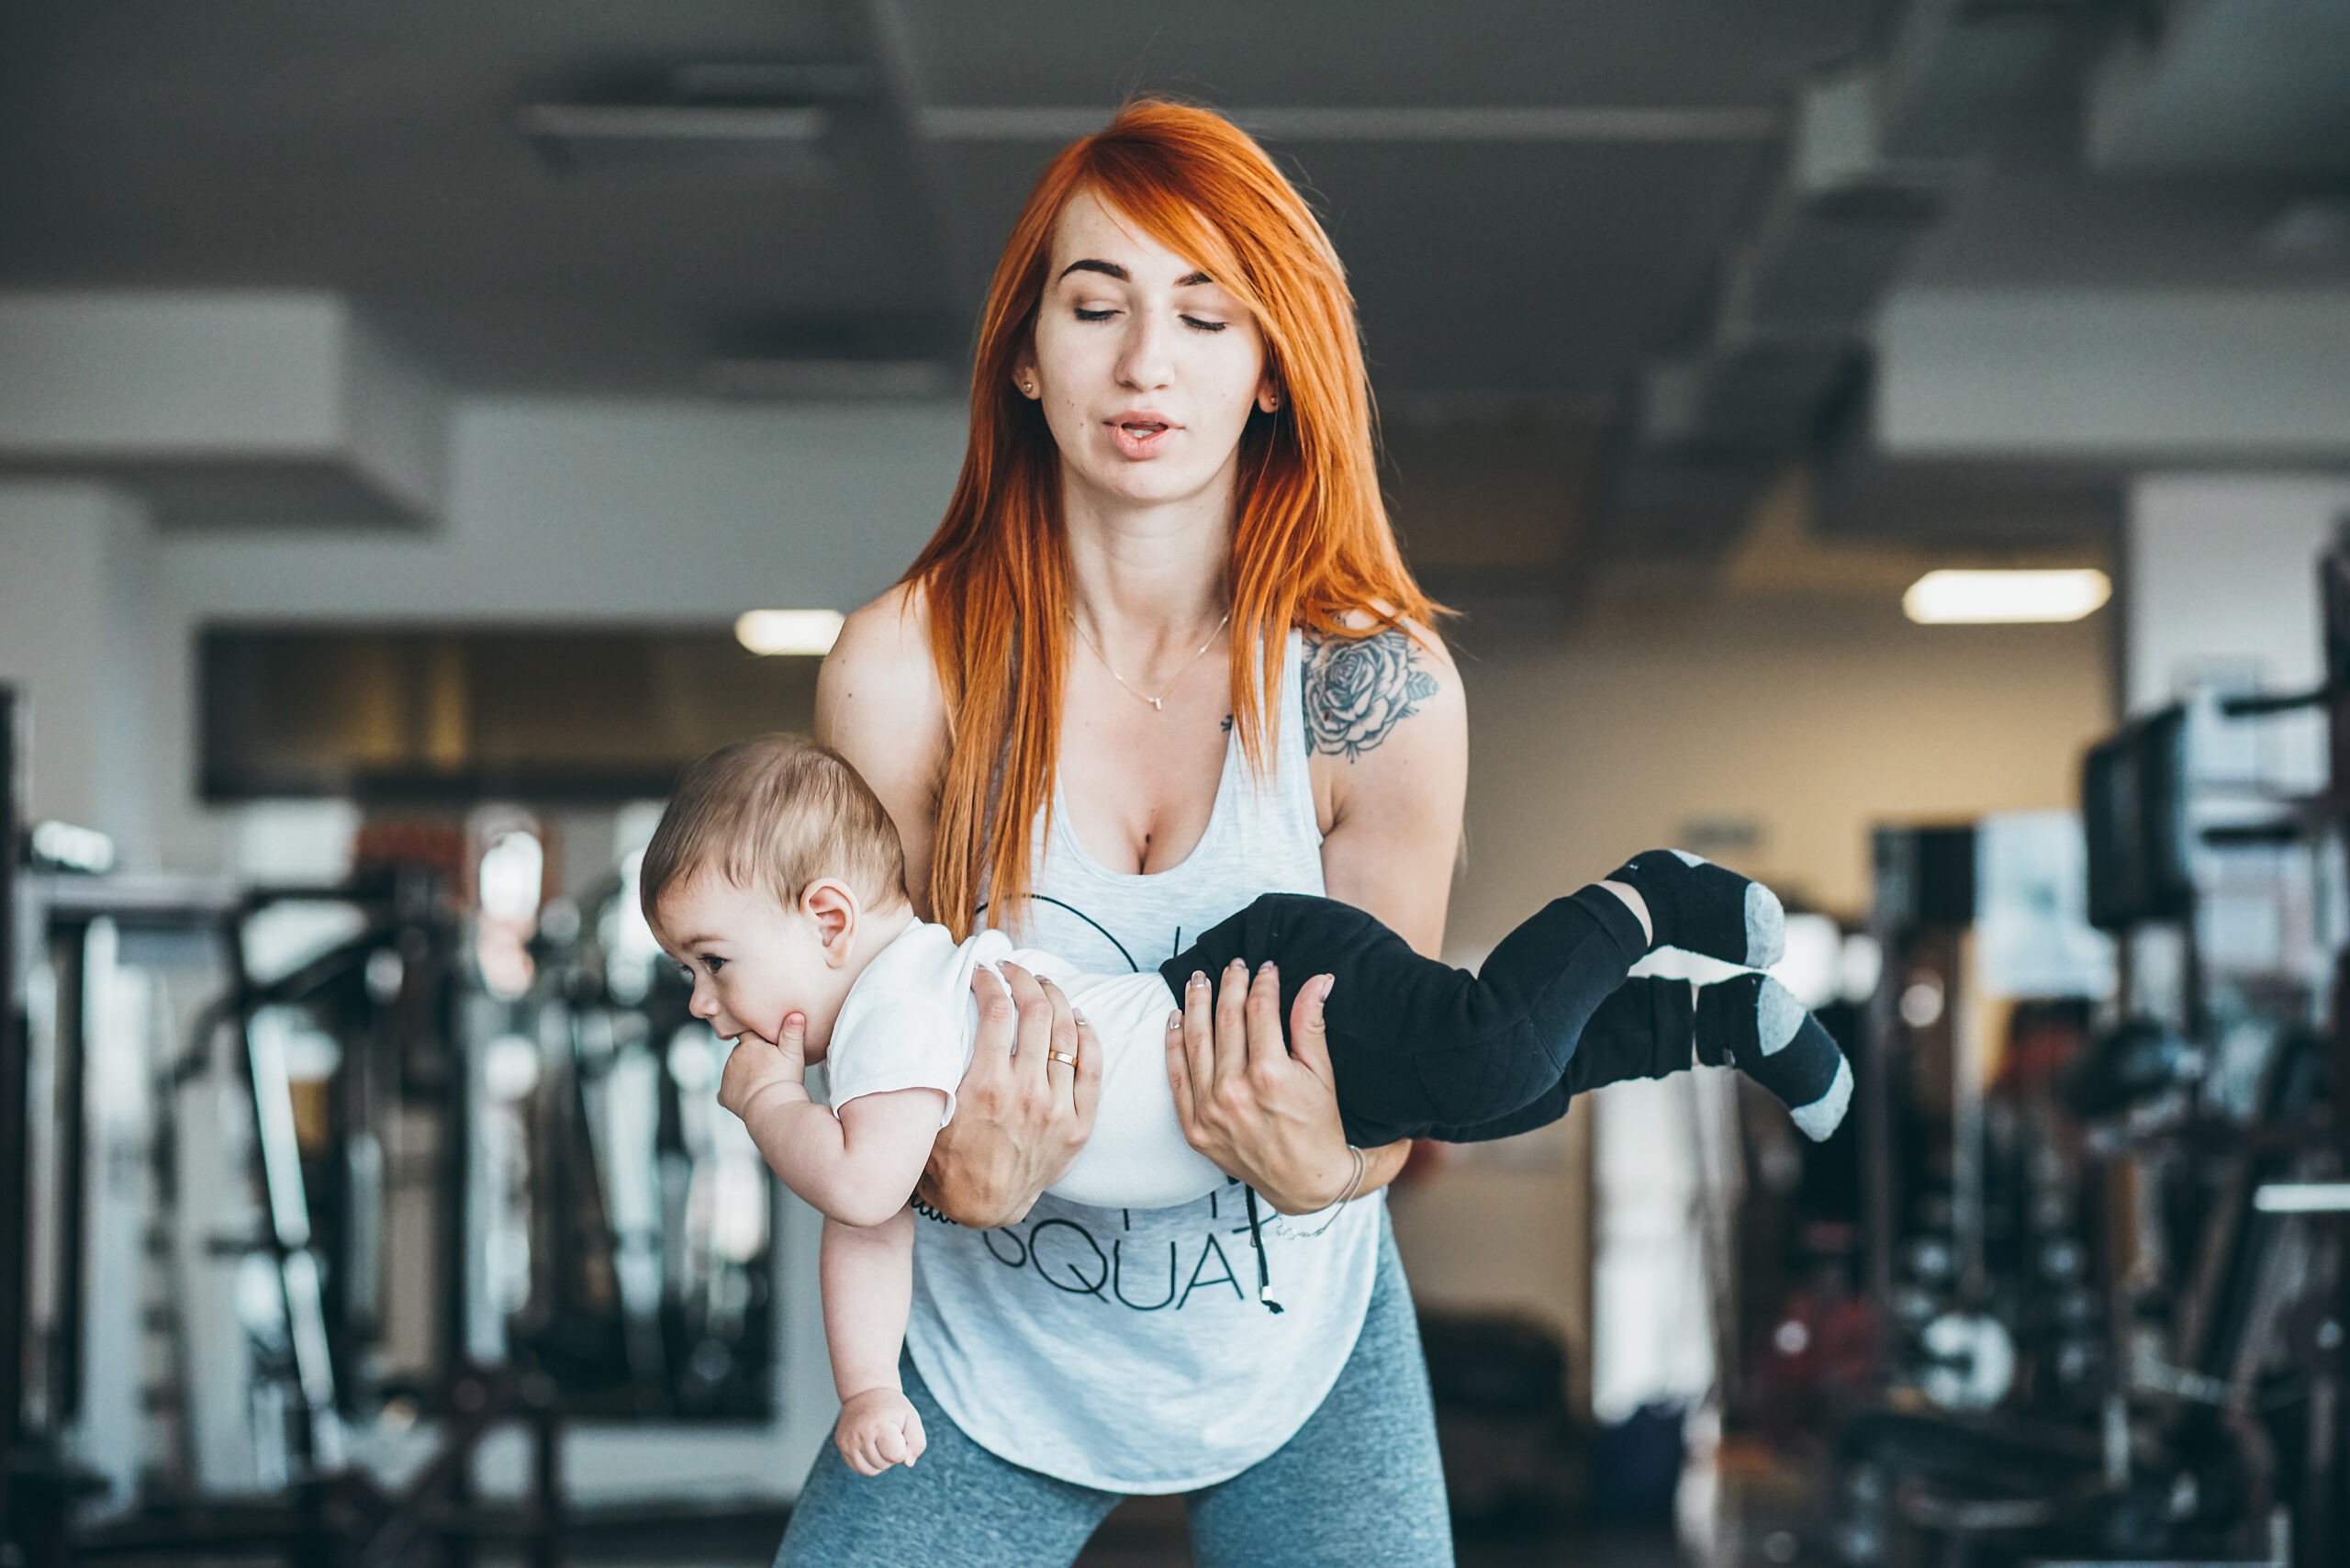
{"points": [[1876, 149], [245, 407], [2209, 86]]}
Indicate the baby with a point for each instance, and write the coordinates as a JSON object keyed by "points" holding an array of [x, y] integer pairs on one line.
{"points": [[776, 877]]}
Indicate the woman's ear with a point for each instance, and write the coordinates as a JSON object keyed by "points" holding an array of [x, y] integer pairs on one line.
{"points": [[829, 906], [1024, 376], [1269, 396]]}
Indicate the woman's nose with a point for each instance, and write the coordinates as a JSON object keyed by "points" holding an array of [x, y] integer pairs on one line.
{"points": [[1144, 364]]}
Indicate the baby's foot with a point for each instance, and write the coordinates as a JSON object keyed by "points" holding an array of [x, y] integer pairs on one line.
{"points": [[1698, 907], [1754, 1023]]}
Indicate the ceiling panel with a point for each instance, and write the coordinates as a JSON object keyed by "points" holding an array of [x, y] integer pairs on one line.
{"points": [[375, 151], [1698, 52]]}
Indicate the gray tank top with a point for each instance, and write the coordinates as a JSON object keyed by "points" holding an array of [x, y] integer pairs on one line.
{"points": [[1126, 1348]]}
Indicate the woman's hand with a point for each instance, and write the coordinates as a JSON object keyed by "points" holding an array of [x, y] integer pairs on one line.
{"points": [[1020, 1116], [1263, 1112]]}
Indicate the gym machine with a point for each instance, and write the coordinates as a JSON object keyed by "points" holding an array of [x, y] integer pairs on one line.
{"points": [[2113, 1271], [275, 1225], [40, 1485], [143, 1233]]}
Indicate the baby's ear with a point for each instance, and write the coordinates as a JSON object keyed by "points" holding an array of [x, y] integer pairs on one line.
{"points": [[831, 907]]}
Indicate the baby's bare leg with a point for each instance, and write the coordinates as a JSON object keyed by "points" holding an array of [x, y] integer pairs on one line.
{"points": [[868, 1273]]}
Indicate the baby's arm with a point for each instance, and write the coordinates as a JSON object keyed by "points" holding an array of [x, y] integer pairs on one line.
{"points": [[859, 1167], [869, 1281]]}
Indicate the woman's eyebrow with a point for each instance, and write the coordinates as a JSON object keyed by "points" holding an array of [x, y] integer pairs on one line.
{"points": [[1111, 269]]}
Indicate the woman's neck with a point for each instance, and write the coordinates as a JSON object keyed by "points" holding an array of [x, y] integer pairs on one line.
{"points": [[1150, 572]]}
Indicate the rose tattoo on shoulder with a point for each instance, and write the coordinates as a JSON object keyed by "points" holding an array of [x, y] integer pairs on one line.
{"points": [[1359, 688]]}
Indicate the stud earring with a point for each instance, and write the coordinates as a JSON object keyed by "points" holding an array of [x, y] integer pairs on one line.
{"points": [[1029, 387]]}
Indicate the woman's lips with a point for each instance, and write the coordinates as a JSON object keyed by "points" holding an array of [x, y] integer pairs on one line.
{"points": [[1140, 437]]}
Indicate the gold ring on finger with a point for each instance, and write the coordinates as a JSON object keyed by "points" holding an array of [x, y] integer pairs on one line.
{"points": [[1062, 1057]]}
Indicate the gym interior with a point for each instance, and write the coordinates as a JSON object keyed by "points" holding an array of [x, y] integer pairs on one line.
{"points": [[1897, 449]]}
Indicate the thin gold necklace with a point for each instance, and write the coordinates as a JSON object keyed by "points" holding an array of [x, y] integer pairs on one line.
{"points": [[1159, 701]]}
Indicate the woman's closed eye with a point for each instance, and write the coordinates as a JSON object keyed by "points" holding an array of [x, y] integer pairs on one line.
{"points": [[1105, 312]]}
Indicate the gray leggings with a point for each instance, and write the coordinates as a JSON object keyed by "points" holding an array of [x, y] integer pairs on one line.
{"points": [[1360, 1482]]}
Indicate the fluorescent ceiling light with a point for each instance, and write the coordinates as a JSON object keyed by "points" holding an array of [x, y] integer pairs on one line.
{"points": [[1951, 598], [800, 632]]}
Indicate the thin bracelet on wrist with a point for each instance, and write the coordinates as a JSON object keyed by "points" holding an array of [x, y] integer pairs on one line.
{"points": [[1362, 1165]]}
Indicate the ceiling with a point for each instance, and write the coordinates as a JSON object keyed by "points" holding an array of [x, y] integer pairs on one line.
{"points": [[375, 151], [1588, 244]]}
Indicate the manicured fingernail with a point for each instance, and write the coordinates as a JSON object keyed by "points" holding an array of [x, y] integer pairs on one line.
{"points": [[1199, 978], [1237, 964], [1268, 967], [1175, 1020], [1080, 1018]]}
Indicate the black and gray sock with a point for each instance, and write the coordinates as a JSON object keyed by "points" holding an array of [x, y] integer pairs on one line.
{"points": [[1754, 1023], [1700, 907]]}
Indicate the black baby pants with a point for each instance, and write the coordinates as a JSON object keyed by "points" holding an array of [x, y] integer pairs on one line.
{"points": [[1422, 1050]]}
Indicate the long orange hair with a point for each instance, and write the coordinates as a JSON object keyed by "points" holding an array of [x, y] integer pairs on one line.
{"points": [[1310, 538]]}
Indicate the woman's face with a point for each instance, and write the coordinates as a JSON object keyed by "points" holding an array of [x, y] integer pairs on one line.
{"points": [[1146, 366]]}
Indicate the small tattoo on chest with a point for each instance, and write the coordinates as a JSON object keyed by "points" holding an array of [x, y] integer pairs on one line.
{"points": [[1227, 723]]}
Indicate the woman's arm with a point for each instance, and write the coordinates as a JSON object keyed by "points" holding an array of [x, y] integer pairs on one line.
{"points": [[879, 704], [1387, 729], [1017, 1126]]}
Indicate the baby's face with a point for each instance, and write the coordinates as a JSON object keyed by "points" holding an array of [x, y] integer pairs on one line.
{"points": [[751, 960]]}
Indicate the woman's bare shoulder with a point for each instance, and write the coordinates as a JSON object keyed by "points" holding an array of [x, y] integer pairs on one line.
{"points": [[889, 633], [1359, 691], [1387, 738], [879, 681]]}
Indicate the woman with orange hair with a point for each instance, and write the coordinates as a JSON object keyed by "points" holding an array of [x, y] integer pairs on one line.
{"points": [[1161, 657]]}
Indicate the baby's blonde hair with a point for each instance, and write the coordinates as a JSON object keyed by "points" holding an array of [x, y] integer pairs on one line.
{"points": [[775, 811]]}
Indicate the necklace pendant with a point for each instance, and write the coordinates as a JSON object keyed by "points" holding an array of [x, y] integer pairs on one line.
{"points": [[1158, 704]]}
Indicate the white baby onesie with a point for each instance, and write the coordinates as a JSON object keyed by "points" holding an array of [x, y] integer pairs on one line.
{"points": [[910, 1020]]}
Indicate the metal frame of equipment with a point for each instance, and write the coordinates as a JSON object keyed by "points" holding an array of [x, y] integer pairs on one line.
{"points": [[333, 1516]]}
